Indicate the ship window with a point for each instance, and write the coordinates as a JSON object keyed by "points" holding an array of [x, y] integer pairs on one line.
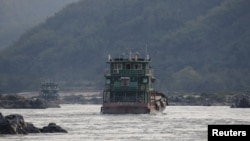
{"points": [[128, 66], [145, 80], [117, 66], [138, 66]]}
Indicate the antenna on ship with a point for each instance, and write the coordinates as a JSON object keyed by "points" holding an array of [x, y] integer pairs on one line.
{"points": [[109, 57], [146, 52], [136, 55], [129, 54]]}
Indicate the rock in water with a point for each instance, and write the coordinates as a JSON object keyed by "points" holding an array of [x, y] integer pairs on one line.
{"points": [[12, 124], [52, 128], [15, 124], [242, 102], [32, 129]]}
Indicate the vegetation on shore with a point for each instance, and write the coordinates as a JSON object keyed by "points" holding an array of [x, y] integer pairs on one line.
{"points": [[174, 99]]}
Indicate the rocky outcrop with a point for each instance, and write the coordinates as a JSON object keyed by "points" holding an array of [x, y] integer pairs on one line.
{"points": [[16, 102], [242, 102], [53, 128], [15, 124], [12, 124]]}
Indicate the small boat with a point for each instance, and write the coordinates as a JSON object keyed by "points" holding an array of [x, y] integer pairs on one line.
{"points": [[49, 92], [129, 87]]}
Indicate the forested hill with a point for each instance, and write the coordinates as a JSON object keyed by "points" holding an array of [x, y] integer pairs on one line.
{"points": [[17, 16], [194, 45]]}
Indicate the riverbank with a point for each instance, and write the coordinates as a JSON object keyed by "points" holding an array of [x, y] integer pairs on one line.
{"points": [[175, 99]]}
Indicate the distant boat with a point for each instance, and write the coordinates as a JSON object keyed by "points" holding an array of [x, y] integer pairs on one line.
{"points": [[129, 87], [49, 92]]}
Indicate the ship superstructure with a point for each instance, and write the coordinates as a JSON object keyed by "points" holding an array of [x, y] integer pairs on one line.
{"points": [[129, 87], [49, 92]]}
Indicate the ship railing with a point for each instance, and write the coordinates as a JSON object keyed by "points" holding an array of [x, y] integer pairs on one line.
{"points": [[122, 88], [132, 72], [133, 87]]}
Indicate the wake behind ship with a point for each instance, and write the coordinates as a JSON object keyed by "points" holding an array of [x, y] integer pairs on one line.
{"points": [[129, 87]]}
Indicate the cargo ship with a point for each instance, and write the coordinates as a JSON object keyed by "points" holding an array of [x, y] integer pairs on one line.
{"points": [[129, 87]]}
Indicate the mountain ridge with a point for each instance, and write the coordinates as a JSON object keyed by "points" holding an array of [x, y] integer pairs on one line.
{"points": [[72, 46]]}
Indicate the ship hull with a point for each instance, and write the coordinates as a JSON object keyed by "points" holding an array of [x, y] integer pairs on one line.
{"points": [[130, 108]]}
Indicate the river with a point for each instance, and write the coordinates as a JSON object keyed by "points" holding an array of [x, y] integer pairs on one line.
{"points": [[84, 122]]}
